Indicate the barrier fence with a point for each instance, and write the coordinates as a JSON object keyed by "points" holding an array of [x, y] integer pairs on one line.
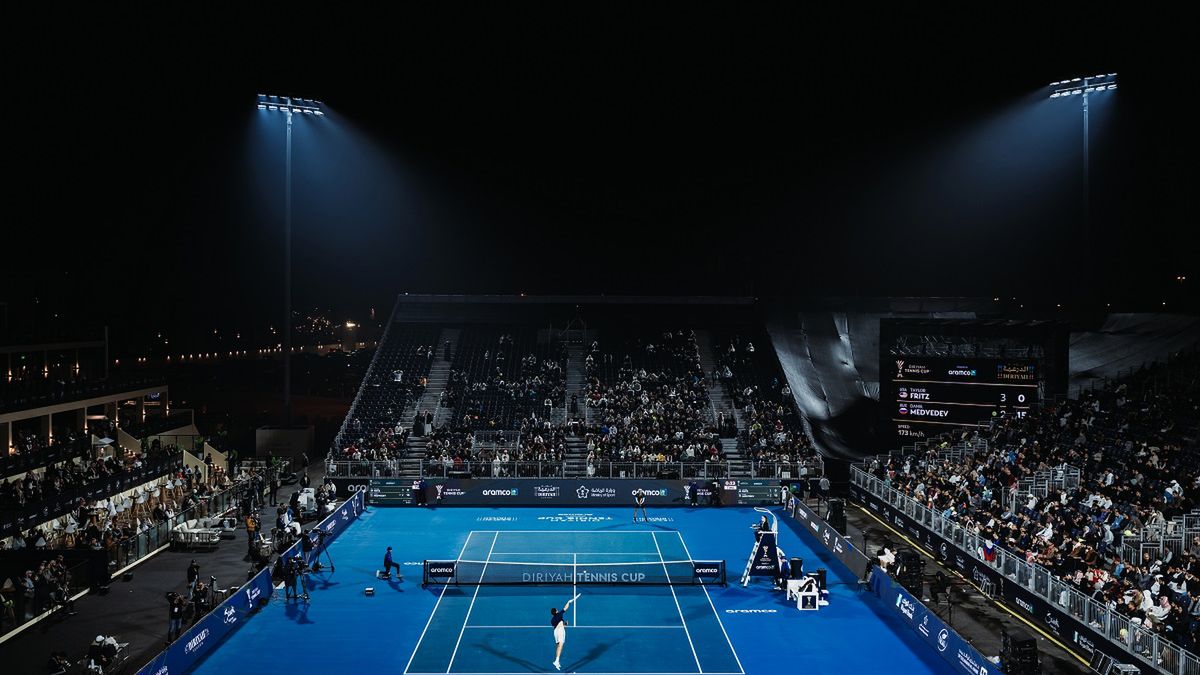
{"points": [[206, 634], [1054, 603]]}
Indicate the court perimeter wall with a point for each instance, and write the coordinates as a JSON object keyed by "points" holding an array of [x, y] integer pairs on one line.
{"points": [[578, 492]]}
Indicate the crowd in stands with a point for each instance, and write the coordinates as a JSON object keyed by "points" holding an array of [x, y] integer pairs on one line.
{"points": [[1136, 446], [500, 378], [386, 443], [752, 379], [99, 524], [536, 440], [650, 401]]}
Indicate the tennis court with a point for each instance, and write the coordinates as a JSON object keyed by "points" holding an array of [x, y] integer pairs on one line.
{"points": [[616, 627]]}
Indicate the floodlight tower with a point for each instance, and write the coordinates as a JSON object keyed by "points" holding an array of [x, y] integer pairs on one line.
{"points": [[288, 106], [1084, 88]]}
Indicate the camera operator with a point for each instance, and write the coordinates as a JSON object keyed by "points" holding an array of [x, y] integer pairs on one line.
{"points": [[293, 578]]}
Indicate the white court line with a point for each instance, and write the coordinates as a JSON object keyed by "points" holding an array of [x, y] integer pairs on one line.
{"points": [[686, 632], [574, 591], [435, 608], [642, 532], [564, 553], [609, 672], [714, 607], [472, 605], [573, 627]]}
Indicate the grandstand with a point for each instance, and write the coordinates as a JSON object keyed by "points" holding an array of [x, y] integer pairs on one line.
{"points": [[759, 342]]}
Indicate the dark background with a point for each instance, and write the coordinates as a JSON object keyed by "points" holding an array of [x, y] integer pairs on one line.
{"points": [[603, 149]]}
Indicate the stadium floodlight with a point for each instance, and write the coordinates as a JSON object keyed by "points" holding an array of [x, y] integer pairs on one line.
{"points": [[1084, 88], [289, 106]]}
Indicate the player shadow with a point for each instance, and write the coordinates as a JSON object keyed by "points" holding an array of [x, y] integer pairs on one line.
{"points": [[509, 657], [592, 654]]}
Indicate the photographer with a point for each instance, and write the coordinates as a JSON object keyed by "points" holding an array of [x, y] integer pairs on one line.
{"points": [[199, 601], [176, 607]]}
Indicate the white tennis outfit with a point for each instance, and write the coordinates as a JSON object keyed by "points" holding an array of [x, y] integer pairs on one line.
{"points": [[560, 633]]}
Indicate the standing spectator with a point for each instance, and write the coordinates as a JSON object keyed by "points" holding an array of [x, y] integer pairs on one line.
{"points": [[193, 575], [175, 609], [824, 488], [251, 530], [274, 488]]}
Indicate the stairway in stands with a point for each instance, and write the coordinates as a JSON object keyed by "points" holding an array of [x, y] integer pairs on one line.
{"points": [[439, 376], [575, 459], [739, 467]]}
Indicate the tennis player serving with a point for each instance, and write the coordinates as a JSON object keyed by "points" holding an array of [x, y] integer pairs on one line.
{"points": [[558, 621]]}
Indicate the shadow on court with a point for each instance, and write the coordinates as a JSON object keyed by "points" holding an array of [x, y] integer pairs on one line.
{"points": [[593, 654], [509, 657], [298, 612]]}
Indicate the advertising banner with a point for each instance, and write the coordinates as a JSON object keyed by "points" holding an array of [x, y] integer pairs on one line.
{"points": [[556, 491], [1077, 633], [941, 638]]}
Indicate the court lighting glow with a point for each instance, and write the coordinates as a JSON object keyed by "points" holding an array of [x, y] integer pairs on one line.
{"points": [[290, 107]]}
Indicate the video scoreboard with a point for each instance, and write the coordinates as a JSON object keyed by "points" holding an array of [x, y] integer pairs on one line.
{"points": [[755, 492], [923, 396], [391, 491]]}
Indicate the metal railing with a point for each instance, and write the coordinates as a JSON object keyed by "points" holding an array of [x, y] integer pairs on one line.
{"points": [[1148, 646]]}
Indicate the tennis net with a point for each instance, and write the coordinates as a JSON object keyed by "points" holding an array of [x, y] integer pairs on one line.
{"points": [[491, 572]]}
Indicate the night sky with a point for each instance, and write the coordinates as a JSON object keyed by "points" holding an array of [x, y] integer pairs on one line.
{"points": [[601, 150]]}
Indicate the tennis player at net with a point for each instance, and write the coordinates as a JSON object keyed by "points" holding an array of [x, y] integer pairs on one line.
{"points": [[558, 623]]}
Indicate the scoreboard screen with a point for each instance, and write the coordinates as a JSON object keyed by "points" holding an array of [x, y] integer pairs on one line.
{"points": [[391, 491], [756, 492], [923, 396]]}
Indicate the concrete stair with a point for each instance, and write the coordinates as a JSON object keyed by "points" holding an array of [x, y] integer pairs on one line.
{"points": [[439, 377], [575, 458]]}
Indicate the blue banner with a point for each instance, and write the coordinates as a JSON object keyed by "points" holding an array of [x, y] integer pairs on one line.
{"points": [[941, 638], [207, 633]]}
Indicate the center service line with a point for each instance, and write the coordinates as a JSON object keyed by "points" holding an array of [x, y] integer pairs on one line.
{"points": [[472, 605], [682, 620], [435, 608]]}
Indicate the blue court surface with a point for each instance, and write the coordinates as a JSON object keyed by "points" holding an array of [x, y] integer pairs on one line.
{"points": [[613, 628]]}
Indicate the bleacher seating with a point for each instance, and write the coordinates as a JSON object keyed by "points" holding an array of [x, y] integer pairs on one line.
{"points": [[1135, 444], [651, 399], [502, 375], [397, 379], [748, 369]]}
